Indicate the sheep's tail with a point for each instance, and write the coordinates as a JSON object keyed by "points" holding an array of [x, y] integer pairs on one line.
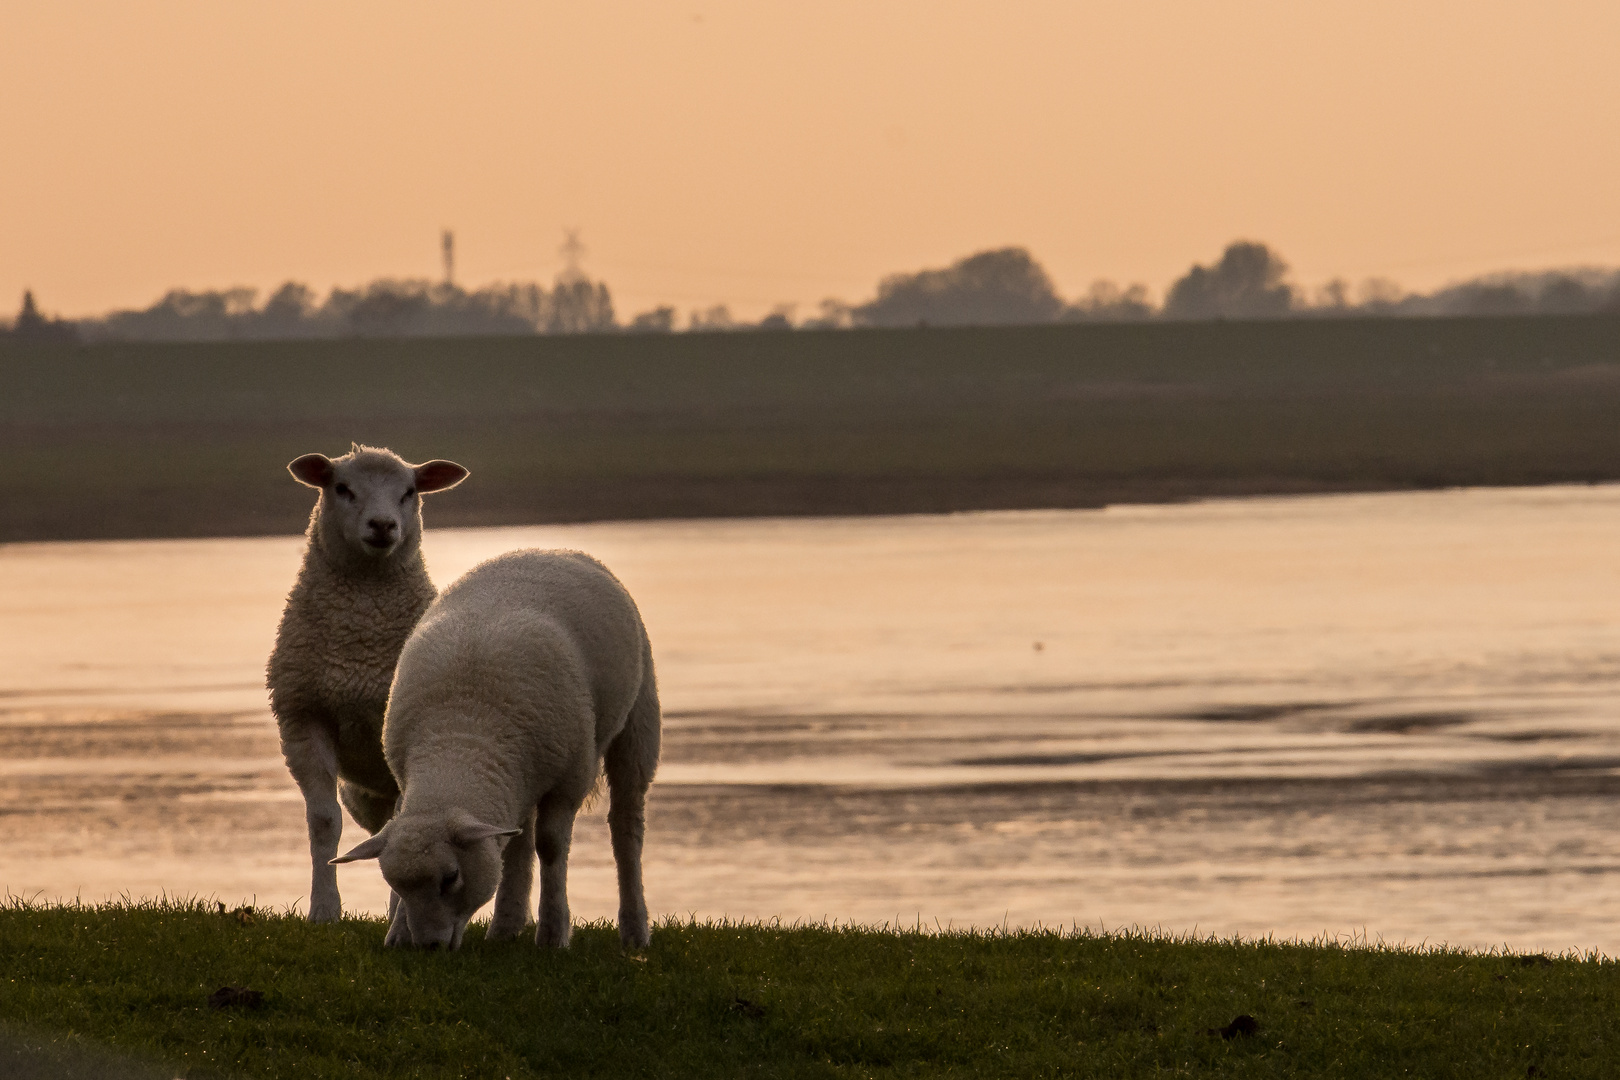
{"points": [[594, 796]]}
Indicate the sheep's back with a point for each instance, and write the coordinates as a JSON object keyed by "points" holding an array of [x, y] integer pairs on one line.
{"points": [[549, 640]]}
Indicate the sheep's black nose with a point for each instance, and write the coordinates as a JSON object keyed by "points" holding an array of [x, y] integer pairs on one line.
{"points": [[381, 533]]}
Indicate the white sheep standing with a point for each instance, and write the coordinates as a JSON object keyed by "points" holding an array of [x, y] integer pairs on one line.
{"points": [[521, 683], [360, 591]]}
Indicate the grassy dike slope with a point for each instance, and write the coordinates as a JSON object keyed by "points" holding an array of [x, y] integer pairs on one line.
{"points": [[190, 440], [748, 1000]]}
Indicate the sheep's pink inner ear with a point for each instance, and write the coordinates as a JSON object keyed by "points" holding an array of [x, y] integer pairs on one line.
{"points": [[469, 834], [365, 849], [312, 469], [438, 476]]}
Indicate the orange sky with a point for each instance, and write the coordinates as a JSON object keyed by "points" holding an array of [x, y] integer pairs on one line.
{"points": [[756, 153]]}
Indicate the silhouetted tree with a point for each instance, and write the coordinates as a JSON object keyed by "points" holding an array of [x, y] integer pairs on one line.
{"points": [[780, 318], [29, 320], [182, 315], [578, 306], [288, 306], [991, 288], [388, 308], [716, 318], [33, 327], [1483, 298], [1334, 297], [1107, 302], [1246, 284], [835, 315], [1380, 296], [1548, 292], [1562, 295], [660, 320]]}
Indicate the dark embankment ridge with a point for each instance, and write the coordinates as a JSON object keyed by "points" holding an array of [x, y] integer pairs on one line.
{"points": [[190, 439]]}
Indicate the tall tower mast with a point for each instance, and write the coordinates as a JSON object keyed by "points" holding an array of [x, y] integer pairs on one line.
{"points": [[447, 242], [573, 252]]}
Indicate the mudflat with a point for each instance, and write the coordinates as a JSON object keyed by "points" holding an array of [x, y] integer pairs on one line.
{"points": [[1388, 715], [190, 439]]}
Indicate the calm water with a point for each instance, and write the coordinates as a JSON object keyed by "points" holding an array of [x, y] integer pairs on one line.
{"points": [[1383, 715]]}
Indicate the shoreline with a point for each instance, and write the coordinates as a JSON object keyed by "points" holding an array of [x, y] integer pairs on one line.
{"points": [[708, 500]]}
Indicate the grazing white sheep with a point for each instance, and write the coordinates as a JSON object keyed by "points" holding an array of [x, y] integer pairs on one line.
{"points": [[361, 589], [523, 680]]}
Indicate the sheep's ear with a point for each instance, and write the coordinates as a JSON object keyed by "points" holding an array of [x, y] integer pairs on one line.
{"points": [[312, 469], [438, 475], [468, 834], [365, 849]]}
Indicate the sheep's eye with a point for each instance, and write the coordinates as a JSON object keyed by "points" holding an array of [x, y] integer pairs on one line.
{"points": [[448, 882], [343, 490], [409, 493]]}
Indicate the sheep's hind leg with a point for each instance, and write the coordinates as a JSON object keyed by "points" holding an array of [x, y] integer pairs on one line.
{"points": [[313, 764], [554, 834], [517, 885], [630, 761]]}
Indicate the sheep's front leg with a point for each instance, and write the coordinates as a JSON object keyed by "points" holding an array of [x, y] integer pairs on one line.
{"points": [[554, 834], [517, 885], [372, 811], [313, 764], [399, 929]]}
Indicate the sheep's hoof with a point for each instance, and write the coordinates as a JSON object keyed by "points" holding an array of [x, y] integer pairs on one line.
{"points": [[553, 937], [633, 933], [505, 931], [325, 912]]}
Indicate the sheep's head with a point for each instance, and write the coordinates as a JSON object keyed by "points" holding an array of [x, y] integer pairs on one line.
{"points": [[444, 866], [370, 504]]}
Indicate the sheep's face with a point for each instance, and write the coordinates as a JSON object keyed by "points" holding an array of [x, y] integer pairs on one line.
{"points": [[444, 868], [371, 499], [373, 504]]}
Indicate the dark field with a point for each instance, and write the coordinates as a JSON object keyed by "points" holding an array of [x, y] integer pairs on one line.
{"points": [[190, 440]]}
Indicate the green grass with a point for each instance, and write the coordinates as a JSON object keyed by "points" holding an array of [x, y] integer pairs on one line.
{"points": [[190, 439], [748, 1000]]}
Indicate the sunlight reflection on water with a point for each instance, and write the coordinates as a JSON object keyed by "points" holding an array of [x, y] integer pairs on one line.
{"points": [[1389, 714]]}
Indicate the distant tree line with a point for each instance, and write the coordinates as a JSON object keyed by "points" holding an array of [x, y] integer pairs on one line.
{"points": [[386, 308], [1005, 286], [1248, 281]]}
